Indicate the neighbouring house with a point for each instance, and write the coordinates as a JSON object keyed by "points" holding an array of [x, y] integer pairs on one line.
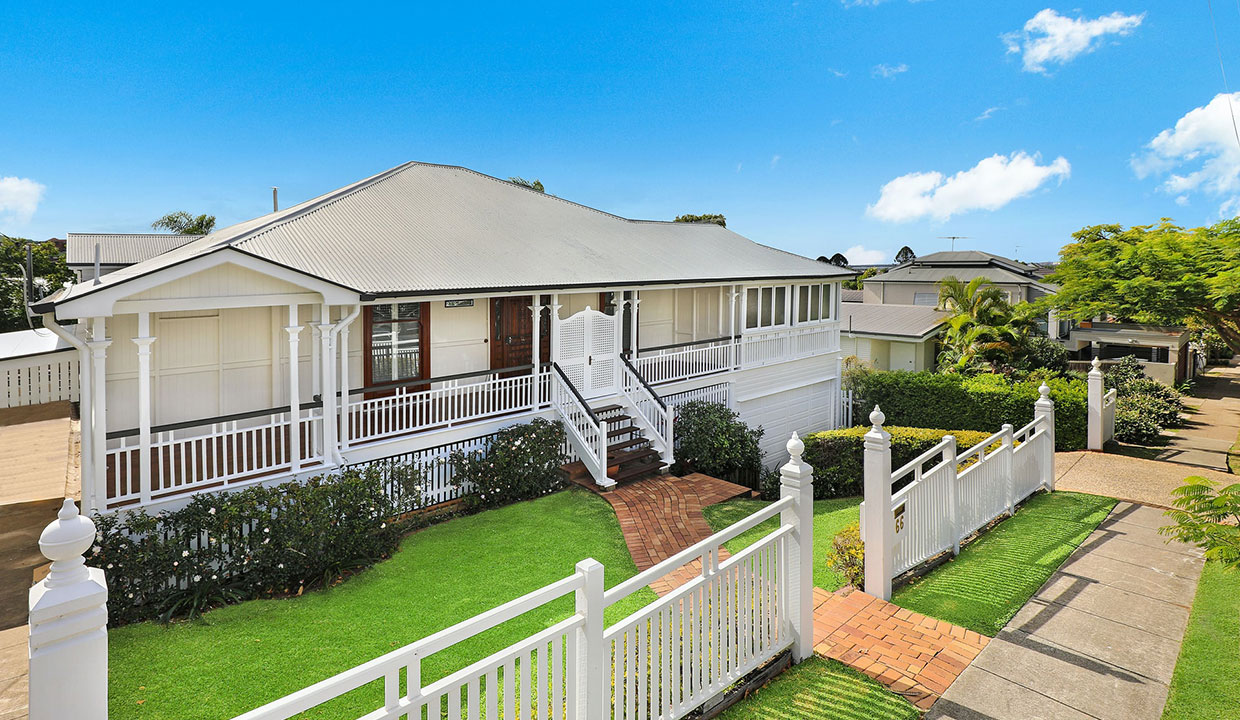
{"points": [[424, 308], [1164, 351], [916, 282], [891, 337], [91, 255]]}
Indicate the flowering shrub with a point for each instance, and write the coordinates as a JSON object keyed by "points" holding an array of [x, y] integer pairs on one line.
{"points": [[522, 462], [847, 556], [227, 547]]}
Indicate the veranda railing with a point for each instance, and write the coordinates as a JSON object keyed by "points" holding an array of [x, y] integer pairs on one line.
{"points": [[663, 661], [668, 363]]}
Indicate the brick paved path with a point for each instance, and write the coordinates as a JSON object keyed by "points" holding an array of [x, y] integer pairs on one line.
{"points": [[662, 515], [912, 654]]}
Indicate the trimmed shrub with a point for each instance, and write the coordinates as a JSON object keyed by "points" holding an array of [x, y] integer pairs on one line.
{"points": [[522, 462], [982, 402], [256, 542], [712, 439], [1042, 353], [847, 556], [838, 456], [1135, 421]]}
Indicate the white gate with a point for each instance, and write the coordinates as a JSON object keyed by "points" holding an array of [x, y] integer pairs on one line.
{"points": [[588, 350]]}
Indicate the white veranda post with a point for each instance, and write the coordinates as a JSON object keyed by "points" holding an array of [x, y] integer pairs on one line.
{"points": [[99, 408], [144, 341], [294, 389]]}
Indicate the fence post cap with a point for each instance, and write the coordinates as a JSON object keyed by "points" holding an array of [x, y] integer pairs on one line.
{"points": [[1096, 364], [877, 418], [64, 541], [796, 447]]}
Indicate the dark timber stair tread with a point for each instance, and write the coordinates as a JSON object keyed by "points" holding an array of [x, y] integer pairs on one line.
{"points": [[626, 430], [624, 445], [636, 470], [607, 409], [625, 459]]}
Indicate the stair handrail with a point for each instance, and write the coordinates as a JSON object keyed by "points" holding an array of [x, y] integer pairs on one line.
{"points": [[660, 426], [593, 450]]}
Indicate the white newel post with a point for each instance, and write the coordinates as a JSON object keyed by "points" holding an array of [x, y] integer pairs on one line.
{"points": [[878, 528], [950, 455], [68, 650], [1045, 408], [294, 389], [1005, 465], [535, 344], [796, 480], [1096, 391], [144, 341], [592, 694]]}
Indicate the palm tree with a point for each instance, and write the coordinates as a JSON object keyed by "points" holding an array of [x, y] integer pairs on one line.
{"points": [[984, 330], [182, 223]]}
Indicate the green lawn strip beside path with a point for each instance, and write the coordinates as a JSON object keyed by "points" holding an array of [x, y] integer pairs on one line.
{"points": [[830, 516], [996, 574], [1204, 686], [821, 689], [239, 657]]}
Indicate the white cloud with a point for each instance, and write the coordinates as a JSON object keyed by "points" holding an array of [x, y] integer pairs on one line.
{"points": [[860, 255], [989, 185], [1049, 37], [1181, 200], [1203, 148], [888, 71], [838, 73], [775, 161], [19, 198], [987, 113]]}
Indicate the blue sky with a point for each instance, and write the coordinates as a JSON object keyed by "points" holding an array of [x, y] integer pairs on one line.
{"points": [[814, 126]]}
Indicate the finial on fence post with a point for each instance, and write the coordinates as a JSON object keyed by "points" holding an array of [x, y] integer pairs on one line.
{"points": [[796, 480], [877, 418], [1096, 366], [1045, 391], [68, 646]]}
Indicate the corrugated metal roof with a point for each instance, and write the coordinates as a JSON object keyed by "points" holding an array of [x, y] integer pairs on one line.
{"points": [[922, 274], [121, 249], [915, 321], [852, 296], [421, 228], [21, 343]]}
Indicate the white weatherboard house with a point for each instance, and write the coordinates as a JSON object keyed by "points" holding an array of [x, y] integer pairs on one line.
{"points": [[426, 307]]}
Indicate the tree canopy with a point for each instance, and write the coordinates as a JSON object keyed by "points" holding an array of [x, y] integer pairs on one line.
{"points": [[1159, 274], [715, 218], [905, 254], [858, 282], [535, 184], [985, 331], [837, 260], [50, 272], [183, 223]]}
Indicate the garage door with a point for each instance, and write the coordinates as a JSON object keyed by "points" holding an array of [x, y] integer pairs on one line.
{"points": [[805, 410]]}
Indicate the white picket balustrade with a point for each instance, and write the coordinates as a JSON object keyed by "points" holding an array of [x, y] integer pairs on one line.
{"points": [[585, 435], [720, 394], [1108, 415], [669, 364], [184, 460], [752, 349], [451, 403], [38, 379], [653, 415], [948, 495]]}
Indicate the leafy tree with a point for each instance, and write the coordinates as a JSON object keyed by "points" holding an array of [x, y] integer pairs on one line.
{"points": [[905, 254], [182, 223], [50, 272], [858, 281], [985, 331], [535, 184], [837, 260], [715, 218], [1162, 274]]}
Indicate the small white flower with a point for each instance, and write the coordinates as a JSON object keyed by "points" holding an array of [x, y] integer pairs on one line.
{"points": [[266, 530], [266, 540], [211, 511], [131, 596], [109, 566], [383, 526], [185, 553], [197, 578], [281, 566], [96, 549], [213, 577]]}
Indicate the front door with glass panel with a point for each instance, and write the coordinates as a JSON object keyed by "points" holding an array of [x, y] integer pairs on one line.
{"points": [[589, 352], [395, 344]]}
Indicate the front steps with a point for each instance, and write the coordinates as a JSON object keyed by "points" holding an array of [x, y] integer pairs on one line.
{"points": [[630, 455]]}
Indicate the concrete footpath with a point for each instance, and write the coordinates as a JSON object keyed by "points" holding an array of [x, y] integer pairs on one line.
{"points": [[1099, 640]]}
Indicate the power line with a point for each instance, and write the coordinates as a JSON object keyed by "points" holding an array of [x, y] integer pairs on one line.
{"points": [[1219, 49]]}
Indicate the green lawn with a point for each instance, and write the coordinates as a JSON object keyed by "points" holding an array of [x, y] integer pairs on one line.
{"points": [[1204, 685], [995, 575], [242, 656], [820, 689], [830, 516]]}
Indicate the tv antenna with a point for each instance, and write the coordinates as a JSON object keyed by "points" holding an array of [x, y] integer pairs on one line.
{"points": [[953, 238]]}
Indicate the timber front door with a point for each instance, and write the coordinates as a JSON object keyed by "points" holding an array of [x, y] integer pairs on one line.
{"points": [[512, 333], [588, 351]]}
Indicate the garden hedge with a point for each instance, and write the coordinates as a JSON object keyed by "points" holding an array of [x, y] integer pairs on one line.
{"points": [[982, 402], [838, 456]]}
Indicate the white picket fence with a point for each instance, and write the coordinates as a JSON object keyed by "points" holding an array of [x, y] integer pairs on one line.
{"points": [[664, 660], [947, 496], [38, 379]]}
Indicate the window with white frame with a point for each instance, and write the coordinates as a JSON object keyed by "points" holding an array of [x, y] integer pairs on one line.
{"points": [[814, 303], [766, 307]]}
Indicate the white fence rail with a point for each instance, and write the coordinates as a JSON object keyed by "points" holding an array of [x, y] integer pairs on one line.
{"points": [[586, 434], [1100, 407], [653, 415], [38, 379], [945, 496], [662, 661], [720, 394]]}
